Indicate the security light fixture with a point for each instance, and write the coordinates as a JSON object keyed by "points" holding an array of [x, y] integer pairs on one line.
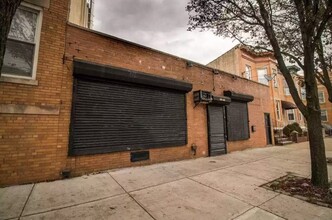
{"points": [[189, 64]]}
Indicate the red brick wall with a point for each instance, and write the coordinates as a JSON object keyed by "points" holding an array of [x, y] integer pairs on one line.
{"points": [[93, 47], [29, 149], [326, 105], [34, 147]]}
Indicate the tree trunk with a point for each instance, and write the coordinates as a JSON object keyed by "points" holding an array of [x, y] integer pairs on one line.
{"points": [[319, 175], [7, 12]]}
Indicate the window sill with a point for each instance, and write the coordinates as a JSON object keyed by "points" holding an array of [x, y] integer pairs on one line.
{"points": [[29, 109], [9, 79]]}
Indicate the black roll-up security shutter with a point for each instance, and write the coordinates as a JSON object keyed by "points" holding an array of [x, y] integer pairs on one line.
{"points": [[111, 115], [237, 116], [237, 121]]}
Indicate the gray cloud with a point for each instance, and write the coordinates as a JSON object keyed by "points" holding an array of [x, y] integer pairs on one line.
{"points": [[160, 24]]}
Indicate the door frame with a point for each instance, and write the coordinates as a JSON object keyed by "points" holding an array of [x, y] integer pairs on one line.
{"points": [[268, 131]]}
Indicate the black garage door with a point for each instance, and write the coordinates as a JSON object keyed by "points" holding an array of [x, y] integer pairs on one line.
{"points": [[119, 110]]}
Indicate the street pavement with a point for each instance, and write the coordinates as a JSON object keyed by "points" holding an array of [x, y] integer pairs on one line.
{"points": [[222, 187]]}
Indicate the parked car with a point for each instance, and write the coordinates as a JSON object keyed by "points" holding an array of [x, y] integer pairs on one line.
{"points": [[328, 129]]}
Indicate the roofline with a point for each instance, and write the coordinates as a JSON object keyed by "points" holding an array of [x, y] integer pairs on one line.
{"points": [[246, 50], [235, 47], [256, 54], [213, 70], [130, 42]]}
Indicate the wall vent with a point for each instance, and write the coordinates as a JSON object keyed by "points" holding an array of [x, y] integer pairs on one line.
{"points": [[139, 156]]}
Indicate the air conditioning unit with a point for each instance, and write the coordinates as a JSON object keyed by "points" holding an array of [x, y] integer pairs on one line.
{"points": [[203, 97]]}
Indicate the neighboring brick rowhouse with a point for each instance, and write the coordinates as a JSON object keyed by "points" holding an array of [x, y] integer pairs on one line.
{"points": [[34, 147], [29, 142], [326, 105]]}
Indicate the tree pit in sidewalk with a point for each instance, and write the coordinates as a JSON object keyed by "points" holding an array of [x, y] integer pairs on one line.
{"points": [[301, 188]]}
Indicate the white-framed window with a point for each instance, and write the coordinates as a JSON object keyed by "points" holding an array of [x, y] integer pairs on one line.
{"points": [[278, 109], [261, 76], [275, 79], [22, 46], [291, 115], [248, 72], [321, 97], [323, 115], [303, 93], [286, 88]]}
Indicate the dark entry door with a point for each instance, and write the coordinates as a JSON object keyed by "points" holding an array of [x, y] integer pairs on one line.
{"points": [[268, 128], [216, 128]]}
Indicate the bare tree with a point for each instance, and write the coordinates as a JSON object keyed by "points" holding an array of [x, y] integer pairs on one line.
{"points": [[7, 12], [297, 31]]}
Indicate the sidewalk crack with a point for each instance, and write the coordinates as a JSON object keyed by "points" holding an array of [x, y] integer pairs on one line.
{"points": [[138, 203]]}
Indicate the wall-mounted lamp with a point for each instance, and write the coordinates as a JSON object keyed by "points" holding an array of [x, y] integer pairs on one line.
{"points": [[253, 128], [215, 71], [189, 64]]}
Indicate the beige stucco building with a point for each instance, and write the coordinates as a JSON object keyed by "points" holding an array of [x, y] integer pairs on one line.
{"points": [[81, 12]]}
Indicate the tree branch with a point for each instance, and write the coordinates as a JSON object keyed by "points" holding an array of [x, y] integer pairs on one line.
{"points": [[326, 18], [326, 81], [278, 55]]}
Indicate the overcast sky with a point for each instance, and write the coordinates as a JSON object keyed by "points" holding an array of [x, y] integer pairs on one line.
{"points": [[159, 24]]}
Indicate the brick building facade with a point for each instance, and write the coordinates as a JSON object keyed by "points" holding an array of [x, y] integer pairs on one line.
{"points": [[325, 105], [36, 111], [255, 66]]}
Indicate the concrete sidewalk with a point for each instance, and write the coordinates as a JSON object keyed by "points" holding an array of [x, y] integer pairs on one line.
{"points": [[223, 187]]}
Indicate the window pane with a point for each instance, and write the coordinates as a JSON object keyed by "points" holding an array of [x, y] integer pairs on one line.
{"points": [[303, 93], [261, 78], [278, 109], [323, 115], [23, 26], [321, 97], [291, 116], [18, 58], [248, 72], [286, 90]]}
